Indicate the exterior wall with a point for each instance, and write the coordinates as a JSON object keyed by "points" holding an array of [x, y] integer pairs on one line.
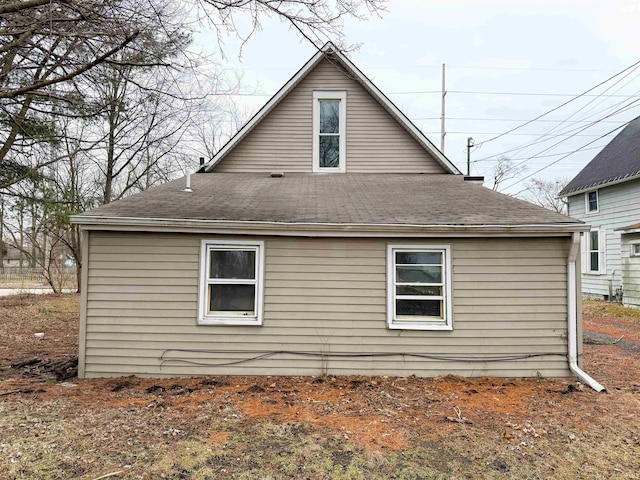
{"points": [[630, 271], [619, 206], [282, 142], [325, 296]]}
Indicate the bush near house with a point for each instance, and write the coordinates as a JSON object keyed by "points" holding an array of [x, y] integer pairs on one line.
{"points": [[305, 427]]}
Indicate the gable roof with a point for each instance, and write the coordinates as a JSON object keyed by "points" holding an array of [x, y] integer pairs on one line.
{"points": [[351, 202], [330, 51], [618, 161]]}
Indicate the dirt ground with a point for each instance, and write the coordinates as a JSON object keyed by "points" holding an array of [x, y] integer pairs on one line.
{"points": [[54, 426]]}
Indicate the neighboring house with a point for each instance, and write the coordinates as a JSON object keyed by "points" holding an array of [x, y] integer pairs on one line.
{"points": [[14, 258], [606, 195], [328, 236]]}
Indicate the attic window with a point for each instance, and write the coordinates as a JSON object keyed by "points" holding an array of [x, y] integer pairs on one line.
{"points": [[329, 131], [591, 199]]}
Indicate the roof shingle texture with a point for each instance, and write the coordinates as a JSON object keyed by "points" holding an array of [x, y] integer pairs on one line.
{"points": [[619, 159], [403, 199]]}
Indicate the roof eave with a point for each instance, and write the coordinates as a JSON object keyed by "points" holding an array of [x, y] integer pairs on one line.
{"points": [[601, 184], [93, 222]]}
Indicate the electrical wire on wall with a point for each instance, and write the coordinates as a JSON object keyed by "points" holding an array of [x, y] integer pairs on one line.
{"points": [[264, 354]]}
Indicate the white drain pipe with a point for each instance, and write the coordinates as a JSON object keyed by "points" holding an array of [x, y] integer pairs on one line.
{"points": [[572, 313]]}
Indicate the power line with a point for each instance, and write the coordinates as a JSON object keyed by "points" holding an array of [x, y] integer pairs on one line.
{"points": [[559, 106], [479, 119], [465, 92], [570, 153], [627, 107], [544, 138], [540, 156], [524, 134]]}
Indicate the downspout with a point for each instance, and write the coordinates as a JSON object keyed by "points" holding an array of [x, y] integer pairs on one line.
{"points": [[572, 315]]}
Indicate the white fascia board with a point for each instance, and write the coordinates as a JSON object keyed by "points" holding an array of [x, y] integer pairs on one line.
{"points": [[321, 229], [369, 86], [598, 186]]}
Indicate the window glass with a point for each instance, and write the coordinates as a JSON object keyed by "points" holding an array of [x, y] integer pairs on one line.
{"points": [[419, 274], [329, 116], [594, 240], [593, 261], [232, 264], [238, 299], [329, 151], [636, 249], [593, 201], [429, 290], [428, 258], [419, 308]]}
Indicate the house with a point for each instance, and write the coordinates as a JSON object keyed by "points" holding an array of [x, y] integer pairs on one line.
{"points": [[329, 236], [606, 195]]}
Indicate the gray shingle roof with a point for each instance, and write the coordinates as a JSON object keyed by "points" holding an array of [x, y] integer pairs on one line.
{"points": [[369, 199], [616, 161]]}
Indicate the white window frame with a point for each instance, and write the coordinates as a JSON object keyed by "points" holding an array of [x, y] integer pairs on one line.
{"points": [[602, 252], [342, 130], [632, 248], [206, 247], [420, 323], [586, 202]]}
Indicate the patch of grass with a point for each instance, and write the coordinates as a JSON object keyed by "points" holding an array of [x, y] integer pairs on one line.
{"points": [[599, 308]]}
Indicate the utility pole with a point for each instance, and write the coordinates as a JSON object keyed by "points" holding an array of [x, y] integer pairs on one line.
{"points": [[470, 143], [442, 132]]}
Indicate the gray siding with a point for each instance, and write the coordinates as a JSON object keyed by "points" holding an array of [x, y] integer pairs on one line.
{"points": [[323, 295], [619, 206], [282, 142], [630, 271]]}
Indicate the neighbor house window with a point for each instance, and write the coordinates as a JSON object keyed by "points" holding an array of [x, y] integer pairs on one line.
{"points": [[591, 199], [419, 287], [329, 130], [596, 251], [635, 249], [231, 281]]}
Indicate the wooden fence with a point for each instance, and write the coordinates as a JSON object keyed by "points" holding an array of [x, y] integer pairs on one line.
{"points": [[29, 274]]}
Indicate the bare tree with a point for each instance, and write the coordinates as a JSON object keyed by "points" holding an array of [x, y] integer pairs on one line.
{"points": [[315, 20], [504, 170], [545, 193]]}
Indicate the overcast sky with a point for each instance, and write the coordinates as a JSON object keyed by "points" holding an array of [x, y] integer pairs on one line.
{"points": [[546, 51]]}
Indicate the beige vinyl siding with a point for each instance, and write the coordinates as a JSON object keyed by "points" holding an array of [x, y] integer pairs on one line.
{"points": [[282, 142], [323, 296]]}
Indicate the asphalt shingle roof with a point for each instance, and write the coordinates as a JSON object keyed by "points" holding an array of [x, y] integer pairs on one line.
{"points": [[619, 159], [403, 199]]}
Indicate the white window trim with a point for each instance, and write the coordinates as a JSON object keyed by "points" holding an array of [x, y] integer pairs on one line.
{"points": [[203, 318], [586, 202], [602, 252], [632, 248], [342, 130], [425, 324]]}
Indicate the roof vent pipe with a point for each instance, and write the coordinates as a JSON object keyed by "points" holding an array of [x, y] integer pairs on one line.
{"points": [[188, 186], [201, 161]]}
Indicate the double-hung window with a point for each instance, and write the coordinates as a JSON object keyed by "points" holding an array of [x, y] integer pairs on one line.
{"points": [[419, 287], [231, 281], [329, 129], [596, 251], [591, 201]]}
